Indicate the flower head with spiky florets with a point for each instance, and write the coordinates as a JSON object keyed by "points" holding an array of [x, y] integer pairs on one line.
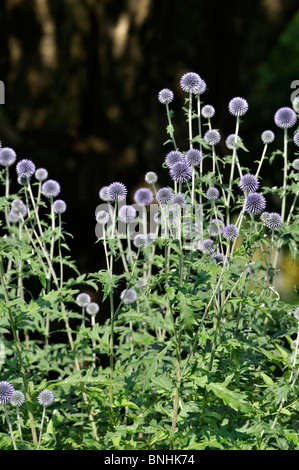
{"points": [[116, 192], [50, 188], [164, 195], [267, 137], [45, 397], [41, 174], [181, 172], [92, 308], [59, 206], [212, 137], [212, 193], [103, 193], [285, 117], [208, 111], [207, 246], [249, 183], [272, 220], [25, 168], [193, 157], [295, 164], [173, 157], [102, 217], [18, 398], [151, 177], [19, 207], [255, 203], [233, 142], [140, 240], [83, 299], [6, 392], [179, 200], [216, 228], [165, 96], [127, 213], [238, 106], [7, 156], [192, 83], [296, 138], [230, 232], [143, 196], [128, 296]]}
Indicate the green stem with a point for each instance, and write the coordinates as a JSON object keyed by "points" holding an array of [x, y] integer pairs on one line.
{"points": [[9, 427]]}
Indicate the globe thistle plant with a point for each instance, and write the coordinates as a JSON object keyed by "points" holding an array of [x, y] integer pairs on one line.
{"points": [[165, 96], [143, 196], [116, 192], [238, 106], [173, 157], [255, 203], [271, 220], [285, 117], [212, 193], [41, 174], [230, 232], [7, 156], [296, 138], [249, 183], [50, 189], [17, 400], [232, 142], [267, 137], [164, 196], [45, 398], [83, 299], [212, 137], [207, 246], [103, 193], [140, 240], [92, 308], [180, 172], [6, 392], [295, 164], [193, 157], [59, 206], [192, 83], [179, 200], [208, 111], [25, 168], [127, 213], [151, 177], [128, 296]]}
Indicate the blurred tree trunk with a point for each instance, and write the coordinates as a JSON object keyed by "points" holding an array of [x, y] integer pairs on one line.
{"points": [[82, 78]]}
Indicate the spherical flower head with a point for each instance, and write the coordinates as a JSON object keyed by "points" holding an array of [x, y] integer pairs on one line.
{"points": [[103, 193], [165, 96], [128, 296], [7, 156], [193, 157], [181, 172], [296, 138], [233, 142], [208, 111], [212, 193], [255, 203], [6, 392], [238, 106], [296, 313], [151, 177], [249, 183], [173, 157], [18, 398], [92, 308], [207, 246], [267, 137], [45, 397], [216, 228], [117, 192], [179, 200], [83, 299], [192, 83], [143, 196], [127, 213], [285, 117], [272, 220], [25, 168], [218, 257], [41, 174], [140, 283], [18, 206], [212, 137], [13, 217], [23, 180], [59, 206], [230, 232], [140, 240], [296, 164], [164, 195], [50, 188], [102, 217]]}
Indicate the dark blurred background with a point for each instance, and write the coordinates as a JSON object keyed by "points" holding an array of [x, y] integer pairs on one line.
{"points": [[82, 78]]}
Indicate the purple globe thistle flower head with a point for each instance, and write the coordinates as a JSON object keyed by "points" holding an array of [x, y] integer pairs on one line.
{"points": [[103, 193], [6, 392], [192, 83], [7, 156], [208, 111], [212, 193], [193, 157], [296, 313], [249, 183], [45, 397], [143, 196], [285, 117], [127, 213], [232, 142], [13, 217], [59, 206], [230, 232], [272, 220], [25, 168], [140, 240], [218, 257], [164, 195], [50, 188], [238, 106], [296, 164], [18, 398], [18, 206], [165, 96], [173, 157], [151, 177], [207, 246], [255, 203], [267, 137], [296, 138], [179, 200], [92, 308], [117, 192], [41, 174], [216, 228], [102, 217], [128, 296], [212, 137], [180, 172], [83, 299]]}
